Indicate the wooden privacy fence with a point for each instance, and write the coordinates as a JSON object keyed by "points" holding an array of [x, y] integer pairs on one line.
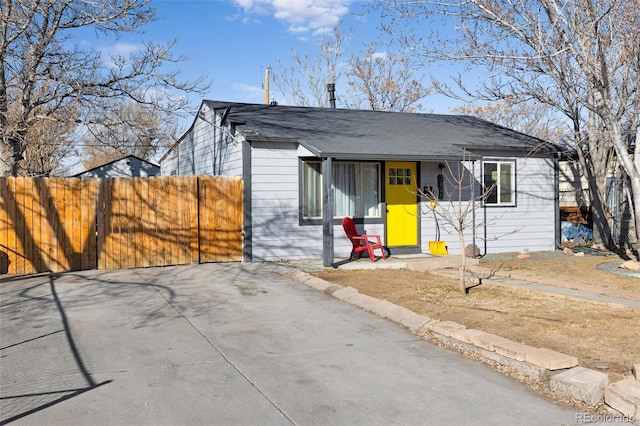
{"points": [[71, 224]]}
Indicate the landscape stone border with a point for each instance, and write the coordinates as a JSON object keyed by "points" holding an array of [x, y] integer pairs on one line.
{"points": [[559, 371], [614, 268]]}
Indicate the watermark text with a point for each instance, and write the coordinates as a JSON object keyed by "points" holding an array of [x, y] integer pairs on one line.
{"points": [[604, 418]]}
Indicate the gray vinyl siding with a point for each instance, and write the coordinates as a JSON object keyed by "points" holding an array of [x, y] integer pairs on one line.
{"points": [[529, 225], [169, 163], [276, 231], [205, 150], [533, 218], [277, 234]]}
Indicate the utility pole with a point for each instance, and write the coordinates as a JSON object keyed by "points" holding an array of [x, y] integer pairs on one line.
{"points": [[266, 85]]}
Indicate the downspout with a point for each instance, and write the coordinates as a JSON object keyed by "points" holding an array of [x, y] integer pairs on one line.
{"points": [[556, 197], [484, 226], [327, 213], [473, 208], [484, 207]]}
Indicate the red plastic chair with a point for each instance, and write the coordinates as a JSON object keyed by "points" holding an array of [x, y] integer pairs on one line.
{"points": [[361, 243]]}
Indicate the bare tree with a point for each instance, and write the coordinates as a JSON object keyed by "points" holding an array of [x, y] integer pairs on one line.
{"points": [[128, 129], [44, 73], [580, 57], [462, 196], [304, 82], [384, 81], [49, 142], [531, 118]]}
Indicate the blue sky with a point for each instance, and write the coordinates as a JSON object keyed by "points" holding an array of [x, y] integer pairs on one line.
{"points": [[234, 41]]}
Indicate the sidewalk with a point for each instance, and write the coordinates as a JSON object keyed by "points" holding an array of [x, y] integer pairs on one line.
{"points": [[563, 288]]}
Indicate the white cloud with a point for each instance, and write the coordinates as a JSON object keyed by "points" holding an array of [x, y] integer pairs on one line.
{"points": [[118, 50], [302, 16], [249, 89], [124, 49], [243, 18]]}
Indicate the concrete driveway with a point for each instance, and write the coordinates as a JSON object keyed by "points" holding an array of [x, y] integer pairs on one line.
{"points": [[230, 344]]}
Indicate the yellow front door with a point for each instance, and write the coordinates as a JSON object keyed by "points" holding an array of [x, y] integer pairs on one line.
{"points": [[402, 204]]}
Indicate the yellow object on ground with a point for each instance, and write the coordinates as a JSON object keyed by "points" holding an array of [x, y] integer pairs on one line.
{"points": [[438, 248]]}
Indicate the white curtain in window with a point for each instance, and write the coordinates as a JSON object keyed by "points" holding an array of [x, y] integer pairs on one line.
{"points": [[370, 185], [355, 189], [312, 188], [345, 184]]}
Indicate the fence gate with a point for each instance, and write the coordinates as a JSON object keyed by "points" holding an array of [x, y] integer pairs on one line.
{"points": [[70, 224]]}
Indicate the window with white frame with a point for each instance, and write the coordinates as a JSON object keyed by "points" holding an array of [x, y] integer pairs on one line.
{"points": [[356, 189], [499, 180]]}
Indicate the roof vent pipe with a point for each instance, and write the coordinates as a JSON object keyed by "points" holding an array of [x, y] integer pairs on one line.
{"points": [[331, 88]]}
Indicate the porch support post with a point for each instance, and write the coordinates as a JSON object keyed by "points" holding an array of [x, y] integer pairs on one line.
{"points": [[327, 212], [473, 209]]}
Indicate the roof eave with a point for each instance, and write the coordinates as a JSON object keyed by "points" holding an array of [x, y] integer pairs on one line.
{"points": [[392, 157]]}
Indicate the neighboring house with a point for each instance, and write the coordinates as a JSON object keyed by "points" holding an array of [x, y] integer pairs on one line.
{"points": [[377, 161], [574, 192], [129, 166], [575, 202]]}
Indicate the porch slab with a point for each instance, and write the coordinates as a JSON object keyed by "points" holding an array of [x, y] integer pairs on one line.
{"points": [[366, 263]]}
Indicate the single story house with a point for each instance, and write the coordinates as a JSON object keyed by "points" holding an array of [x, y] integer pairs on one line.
{"points": [[129, 166], [378, 164]]}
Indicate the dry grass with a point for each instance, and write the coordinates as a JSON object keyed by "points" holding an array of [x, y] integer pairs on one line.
{"points": [[578, 269]]}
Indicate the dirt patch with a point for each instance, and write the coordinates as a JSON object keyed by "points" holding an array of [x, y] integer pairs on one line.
{"points": [[598, 335]]}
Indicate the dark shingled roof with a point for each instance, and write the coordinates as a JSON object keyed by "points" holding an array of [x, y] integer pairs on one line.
{"points": [[363, 134]]}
